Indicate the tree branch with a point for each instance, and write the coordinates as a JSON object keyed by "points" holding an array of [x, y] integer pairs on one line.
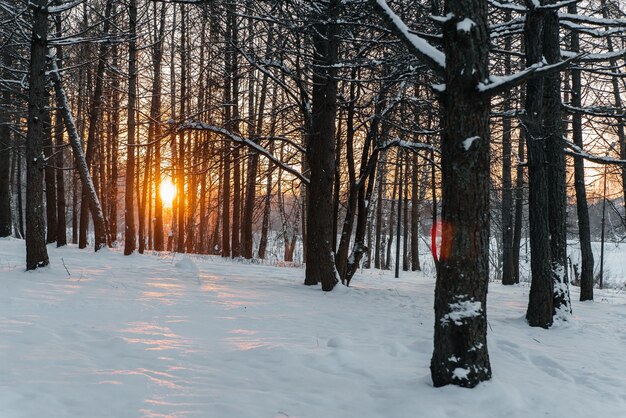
{"points": [[201, 126]]}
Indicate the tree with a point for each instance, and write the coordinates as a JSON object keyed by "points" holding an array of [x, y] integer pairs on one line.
{"points": [[540, 304], [130, 240], [36, 252], [320, 265], [61, 233], [555, 159], [93, 203], [584, 232], [460, 356], [94, 118], [6, 222], [154, 127]]}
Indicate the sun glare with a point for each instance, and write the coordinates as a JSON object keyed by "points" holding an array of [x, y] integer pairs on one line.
{"points": [[168, 192]]}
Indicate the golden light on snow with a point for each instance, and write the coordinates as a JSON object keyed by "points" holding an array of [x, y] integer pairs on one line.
{"points": [[168, 192]]}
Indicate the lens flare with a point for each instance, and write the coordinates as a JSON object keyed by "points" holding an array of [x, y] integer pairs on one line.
{"points": [[168, 192]]}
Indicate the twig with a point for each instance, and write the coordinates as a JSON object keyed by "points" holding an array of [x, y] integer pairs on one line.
{"points": [[68, 272]]}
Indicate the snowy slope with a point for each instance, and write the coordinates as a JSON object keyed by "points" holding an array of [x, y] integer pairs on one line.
{"points": [[201, 337]]}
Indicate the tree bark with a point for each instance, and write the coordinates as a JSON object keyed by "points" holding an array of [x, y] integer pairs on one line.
{"points": [[154, 130], [415, 216], [180, 176], [320, 263], [584, 230], [17, 161], [405, 220], [507, 192], [61, 233], [6, 221], [540, 303], [49, 176], [36, 251], [392, 219], [557, 193], [130, 239], [460, 353], [519, 209], [379, 257], [115, 136]]}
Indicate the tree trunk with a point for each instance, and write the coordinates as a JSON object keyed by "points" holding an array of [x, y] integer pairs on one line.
{"points": [[415, 217], [341, 258], [379, 257], [226, 154], [154, 131], [435, 221], [507, 192], [36, 251], [61, 232], [130, 239], [115, 136], [320, 265], [540, 303], [17, 161], [460, 353], [192, 188], [180, 176], [584, 230], [519, 208], [6, 222], [267, 207], [392, 219], [49, 177], [557, 193], [405, 220]]}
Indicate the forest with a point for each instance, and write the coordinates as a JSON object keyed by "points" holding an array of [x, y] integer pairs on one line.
{"points": [[339, 136]]}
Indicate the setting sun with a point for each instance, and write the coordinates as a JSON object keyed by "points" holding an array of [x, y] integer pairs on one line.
{"points": [[168, 192]]}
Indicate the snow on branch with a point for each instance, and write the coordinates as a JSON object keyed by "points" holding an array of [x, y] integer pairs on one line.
{"points": [[411, 146], [557, 5], [63, 7], [419, 46], [197, 125], [602, 111], [575, 151], [508, 6], [592, 20], [599, 32], [595, 57], [500, 84]]}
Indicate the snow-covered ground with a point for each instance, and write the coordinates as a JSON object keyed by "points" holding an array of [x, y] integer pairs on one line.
{"points": [[202, 337]]}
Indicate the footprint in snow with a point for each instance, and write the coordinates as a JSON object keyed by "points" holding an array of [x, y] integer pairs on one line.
{"points": [[550, 367]]}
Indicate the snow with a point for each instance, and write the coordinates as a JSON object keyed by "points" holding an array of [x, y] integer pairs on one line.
{"points": [[465, 25], [467, 142], [461, 310], [419, 43], [439, 87], [141, 336], [460, 373], [442, 19]]}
